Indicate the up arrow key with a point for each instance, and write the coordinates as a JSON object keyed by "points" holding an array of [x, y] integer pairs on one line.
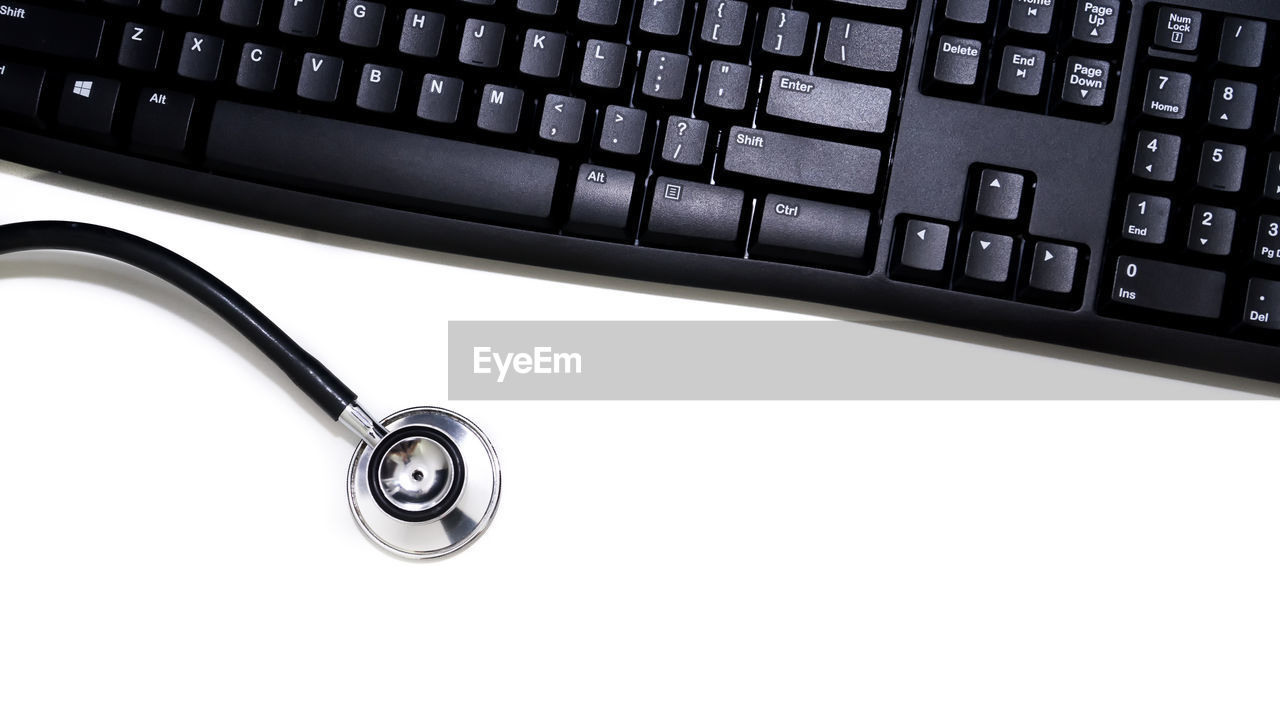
{"points": [[995, 183]]}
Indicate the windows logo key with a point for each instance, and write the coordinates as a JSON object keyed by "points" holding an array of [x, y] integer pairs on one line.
{"points": [[83, 88]]}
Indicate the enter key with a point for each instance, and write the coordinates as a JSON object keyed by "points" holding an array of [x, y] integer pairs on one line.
{"points": [[832, 103]]}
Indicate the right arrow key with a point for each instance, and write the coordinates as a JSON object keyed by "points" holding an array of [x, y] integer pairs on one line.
{"points": [[1053, 268]]}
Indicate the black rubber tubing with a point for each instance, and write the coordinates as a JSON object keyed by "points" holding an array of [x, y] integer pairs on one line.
{"points": [[304, 370]]}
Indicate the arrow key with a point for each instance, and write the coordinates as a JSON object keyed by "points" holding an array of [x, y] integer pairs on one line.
{"points": [[1000, 194], [1053, 268], [562, 119], [988, 260], [925, 247]]}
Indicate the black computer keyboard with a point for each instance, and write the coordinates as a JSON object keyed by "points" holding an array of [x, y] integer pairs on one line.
{"points": [[1097, 173]]}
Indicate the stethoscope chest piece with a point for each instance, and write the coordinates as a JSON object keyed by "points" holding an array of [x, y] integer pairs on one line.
{"points": [[429, 487]]}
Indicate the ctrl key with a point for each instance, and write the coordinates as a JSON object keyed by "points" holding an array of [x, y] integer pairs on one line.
{"points": [[693, 216], [20, 90]]}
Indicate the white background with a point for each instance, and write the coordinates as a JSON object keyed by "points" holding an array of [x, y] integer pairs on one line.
{"points": [[175, 539]]}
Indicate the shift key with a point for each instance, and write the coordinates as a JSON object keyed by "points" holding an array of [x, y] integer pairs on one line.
{"points": [[802, 160], [1170, 288], [54, 32]]}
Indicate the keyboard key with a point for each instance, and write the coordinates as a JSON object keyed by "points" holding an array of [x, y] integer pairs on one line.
{"points": [[88, 104], [482, 43], [878, 4], [802, 160], [140, 47], [968, 11], [1262, 304], [957, 62], [1233, 104], [388, 167], [1000, 194], [1169, 288], [20, 89], [725, 22], [1178, 29], [805, 230], [692, 215], [784, 32], [379, 89], [440, 98], [599, 12], [1157, 156], [259, 68], [685, 142], [602, 202], [320, 77], [1167, 94], [301, 18], [989, 259], [184, 8], [863, 45], [1096, 21], [1146, 218], [661, 17], [201, 57], [830, 103], [1034, 17], [925, 247], [241, 13], [1266, 249], [51, 32], [1085, 85], [603, 63], [1022, 72], [538, 7], [727, 85], [362, 23], [1272, 187], [162, 122], [665, 75], [1054, 268], [562, 119], [543, 53], [1222, 166], [622, 130], [1212, 229], [500, 109], [1243, 42], [422, 33]]}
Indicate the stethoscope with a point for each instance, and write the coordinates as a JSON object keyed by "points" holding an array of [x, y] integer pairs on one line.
{"points": [[423, 483]]}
